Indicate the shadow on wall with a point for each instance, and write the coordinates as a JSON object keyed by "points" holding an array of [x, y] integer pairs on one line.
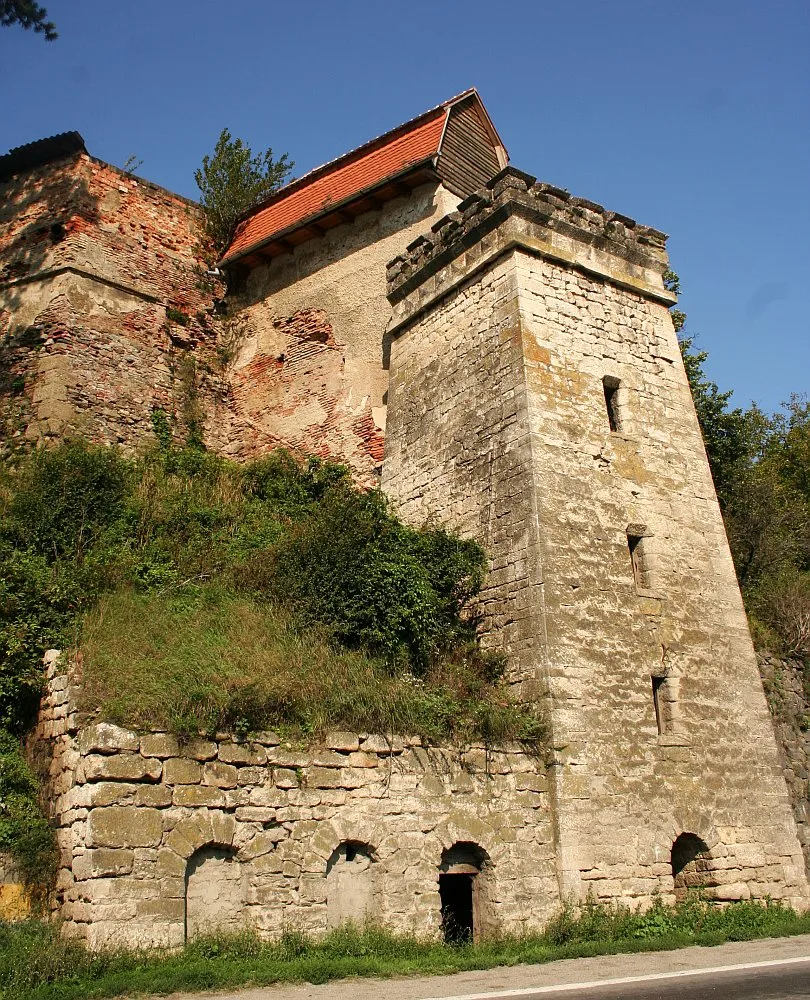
{"points": [[691, 866], [38, 211]]}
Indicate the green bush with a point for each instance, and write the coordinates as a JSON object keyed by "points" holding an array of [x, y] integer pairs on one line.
{"points": [[274, 593], [61, 500], [36, 964], [376, 583], [24, 831]]}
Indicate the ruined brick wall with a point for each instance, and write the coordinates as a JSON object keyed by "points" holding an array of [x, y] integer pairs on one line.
{"points": [[90, 261], [309, 336], [650, 677], [149, 827], [96, 267]]}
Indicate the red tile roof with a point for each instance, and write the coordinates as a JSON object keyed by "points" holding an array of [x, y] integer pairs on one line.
{"points": [[377, 161]]}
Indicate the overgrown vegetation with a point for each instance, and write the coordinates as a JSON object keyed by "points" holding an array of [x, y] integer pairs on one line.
{"points": [[761, 468], [24, 832], [35, 964], [207, 595], [271, 594], [231, 182]]}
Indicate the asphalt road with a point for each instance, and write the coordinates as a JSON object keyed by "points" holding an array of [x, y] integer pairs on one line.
{"points": [[771, 969], [788, 980]]}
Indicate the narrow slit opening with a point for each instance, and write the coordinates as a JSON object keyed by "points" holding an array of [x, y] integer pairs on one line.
{"points": [[610, 386]]}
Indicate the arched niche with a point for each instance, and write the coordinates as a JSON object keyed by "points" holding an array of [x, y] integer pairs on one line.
{"points": [[462, 892], [350, 883], [691, 865], [215, 899]]}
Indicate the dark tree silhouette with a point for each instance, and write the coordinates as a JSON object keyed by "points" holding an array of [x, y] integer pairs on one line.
{"points": [[27, 14]]}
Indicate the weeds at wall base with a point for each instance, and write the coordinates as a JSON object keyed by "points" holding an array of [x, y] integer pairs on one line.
{"points": [[35, 964]]}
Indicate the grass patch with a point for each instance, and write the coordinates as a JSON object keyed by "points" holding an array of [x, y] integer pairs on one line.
{"points": [[210, 659], [36, 965]]}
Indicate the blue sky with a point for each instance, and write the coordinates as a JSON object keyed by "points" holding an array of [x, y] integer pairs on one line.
{"points": [[691, 117]]}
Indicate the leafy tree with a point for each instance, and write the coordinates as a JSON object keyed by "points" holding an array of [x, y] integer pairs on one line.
{"points": [[231, 182], [27, 14], [761, 470], [733, 437]]}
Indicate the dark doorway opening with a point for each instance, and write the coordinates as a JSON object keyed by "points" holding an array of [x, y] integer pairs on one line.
{"points": [[456, 893]]}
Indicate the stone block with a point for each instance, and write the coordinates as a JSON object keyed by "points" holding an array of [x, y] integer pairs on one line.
{"points": [[235, 797], [267, 739], [223, 828], [109, 793], [382, 745], [199, 795], [169, 863], [124, 826], [242, 753], [161, 909], [249, 776], [182, 771], [733, 891], [120, 767], [255, 814], [103, 861], [105, 738], [220, 775], [345, 742], [262, 843], [322, 777], [160, 745], [158, 796], [199, 749], [361, 759]]}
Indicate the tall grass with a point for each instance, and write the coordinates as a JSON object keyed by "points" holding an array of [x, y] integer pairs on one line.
{"points": [[209, 659], [35, 964]]}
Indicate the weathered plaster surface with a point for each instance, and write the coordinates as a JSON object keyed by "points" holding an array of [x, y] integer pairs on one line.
{"points": [[339, 277]]}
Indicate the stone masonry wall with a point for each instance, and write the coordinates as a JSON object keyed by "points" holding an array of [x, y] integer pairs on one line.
{"points": [[656, 706], [458, 450], [154, 833], [106, 315]]}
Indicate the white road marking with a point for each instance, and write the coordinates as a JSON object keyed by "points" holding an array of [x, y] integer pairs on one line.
{"points": [[572, 987]]}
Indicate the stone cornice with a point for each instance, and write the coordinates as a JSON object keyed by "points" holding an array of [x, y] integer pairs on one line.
{"points": [[514, 213]]}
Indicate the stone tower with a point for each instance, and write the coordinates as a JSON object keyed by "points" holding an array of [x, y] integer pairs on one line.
{"points": [[538, 402]]}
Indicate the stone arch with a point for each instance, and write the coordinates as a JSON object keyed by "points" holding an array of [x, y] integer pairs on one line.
{"points": [[330, 834], [464, 900], [350, 878], [214, 891], [201, 829], [692, 865]]}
